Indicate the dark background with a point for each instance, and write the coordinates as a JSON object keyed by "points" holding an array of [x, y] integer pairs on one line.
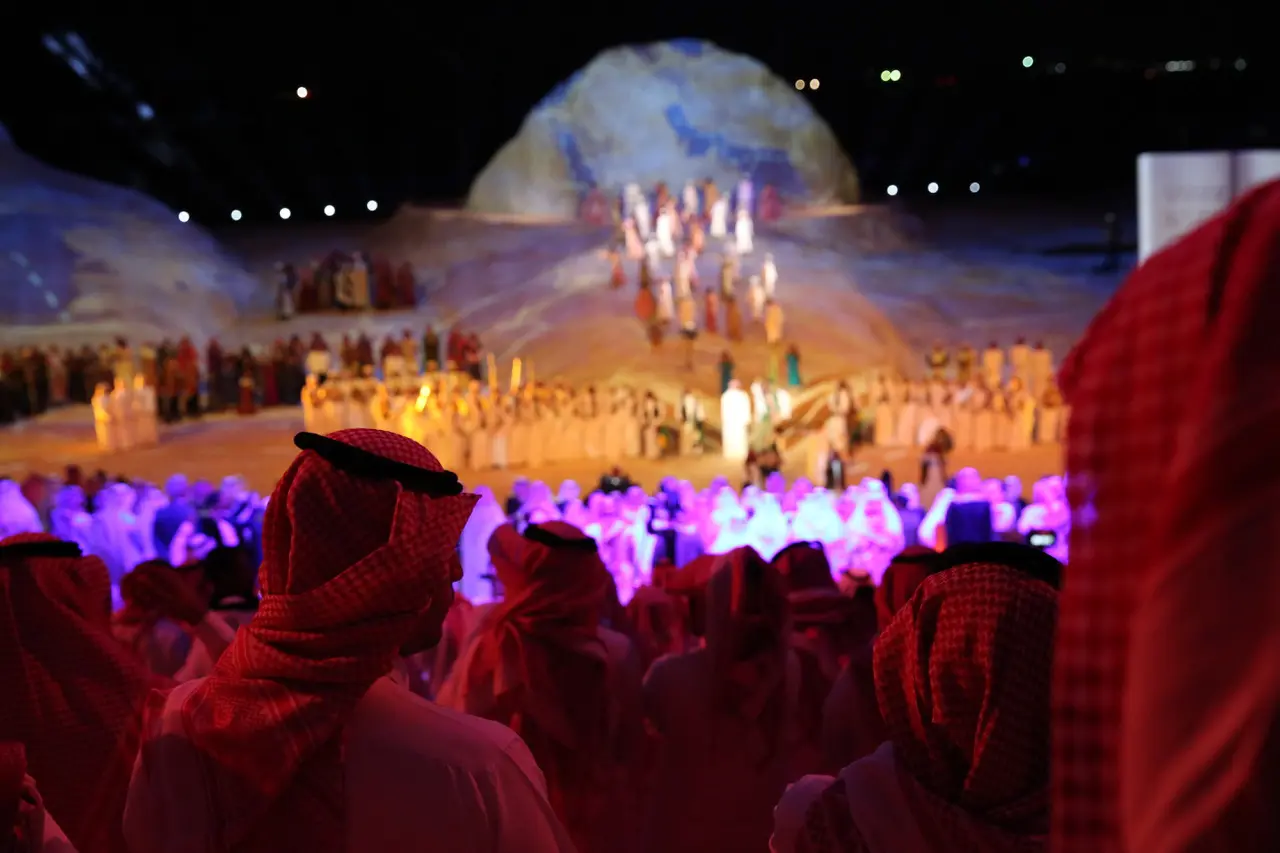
{"points": [[409, 104]]}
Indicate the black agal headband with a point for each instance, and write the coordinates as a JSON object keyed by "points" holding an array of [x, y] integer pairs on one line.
{"points": [[538, 533], [54, 548], [359, 462]]}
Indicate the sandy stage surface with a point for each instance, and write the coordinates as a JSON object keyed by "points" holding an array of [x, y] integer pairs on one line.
{"points": [[260, 447]]}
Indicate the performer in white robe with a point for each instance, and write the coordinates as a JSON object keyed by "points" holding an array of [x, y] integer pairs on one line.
{"points": [[907, 421], [643, 217], [653, 254], [983, 419], [883, 432], [769, 276], [504, 411], [1049, 415], [1040, 370], [755, 298], [635, 246], [379, 409], [993, 366], [836, 427], [121, 407], [666, 309], [535, 418], [318, 363], [744, 233], [781, 399], [664, 232], [759, 405], [684, 274], [1001, 420], [479, 439], [961, 417], [690, 199], [719, 229], [311, 403], [1022, 416], [1020, 361], [632, 445], [103, 426], [146, 416], [735, 422]]}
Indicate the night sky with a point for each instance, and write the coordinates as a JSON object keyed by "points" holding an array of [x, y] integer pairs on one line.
{"points": [[200, 109]]}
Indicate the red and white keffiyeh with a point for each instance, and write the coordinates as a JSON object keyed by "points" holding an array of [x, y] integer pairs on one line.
{"points": [[353, 551], [1173, 417]]}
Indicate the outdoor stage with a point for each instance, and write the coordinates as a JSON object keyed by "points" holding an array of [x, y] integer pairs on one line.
{"points": [[260, 447]]}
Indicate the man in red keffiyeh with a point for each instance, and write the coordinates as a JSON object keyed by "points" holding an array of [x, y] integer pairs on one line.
{"points": [[541, 663], [1166, 679], [68, 691], [299, 741], [962, 675]]}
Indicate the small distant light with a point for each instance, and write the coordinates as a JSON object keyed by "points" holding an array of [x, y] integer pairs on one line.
{"points": [[933, 187], [799, 84], [974, 187], [813, 84], [284, 213], [235, 216], [183, 216], [302, 92], [892, 190], [1024, 161], [885, 75], [1241, 64], [1171, 66], [328, 210], [372, 205], [1060, 68], [145, 112], [895, 75], [1027, 62]]}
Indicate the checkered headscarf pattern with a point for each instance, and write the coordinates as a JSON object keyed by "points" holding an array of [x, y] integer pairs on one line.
{"points": [[68, 691], [962, 676], [349, 565], [1169, 395]]}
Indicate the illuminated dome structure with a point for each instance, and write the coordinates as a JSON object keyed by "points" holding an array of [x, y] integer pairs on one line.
{"points": [[673, 111]]}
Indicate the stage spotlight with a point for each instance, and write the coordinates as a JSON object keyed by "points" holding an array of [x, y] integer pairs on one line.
{"points": [[933, 187], [813, 84], [895, 75], [799, 84], [302, 92], [892, 190], [235, 216], [183, 216], [884, 76], [1027, 62], [328, 210], [974, 187], [284, 213], [372, 205]]}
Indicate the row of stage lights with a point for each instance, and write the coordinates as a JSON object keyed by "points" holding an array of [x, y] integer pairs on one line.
{"points": [[285, 213], [892, 189]]}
